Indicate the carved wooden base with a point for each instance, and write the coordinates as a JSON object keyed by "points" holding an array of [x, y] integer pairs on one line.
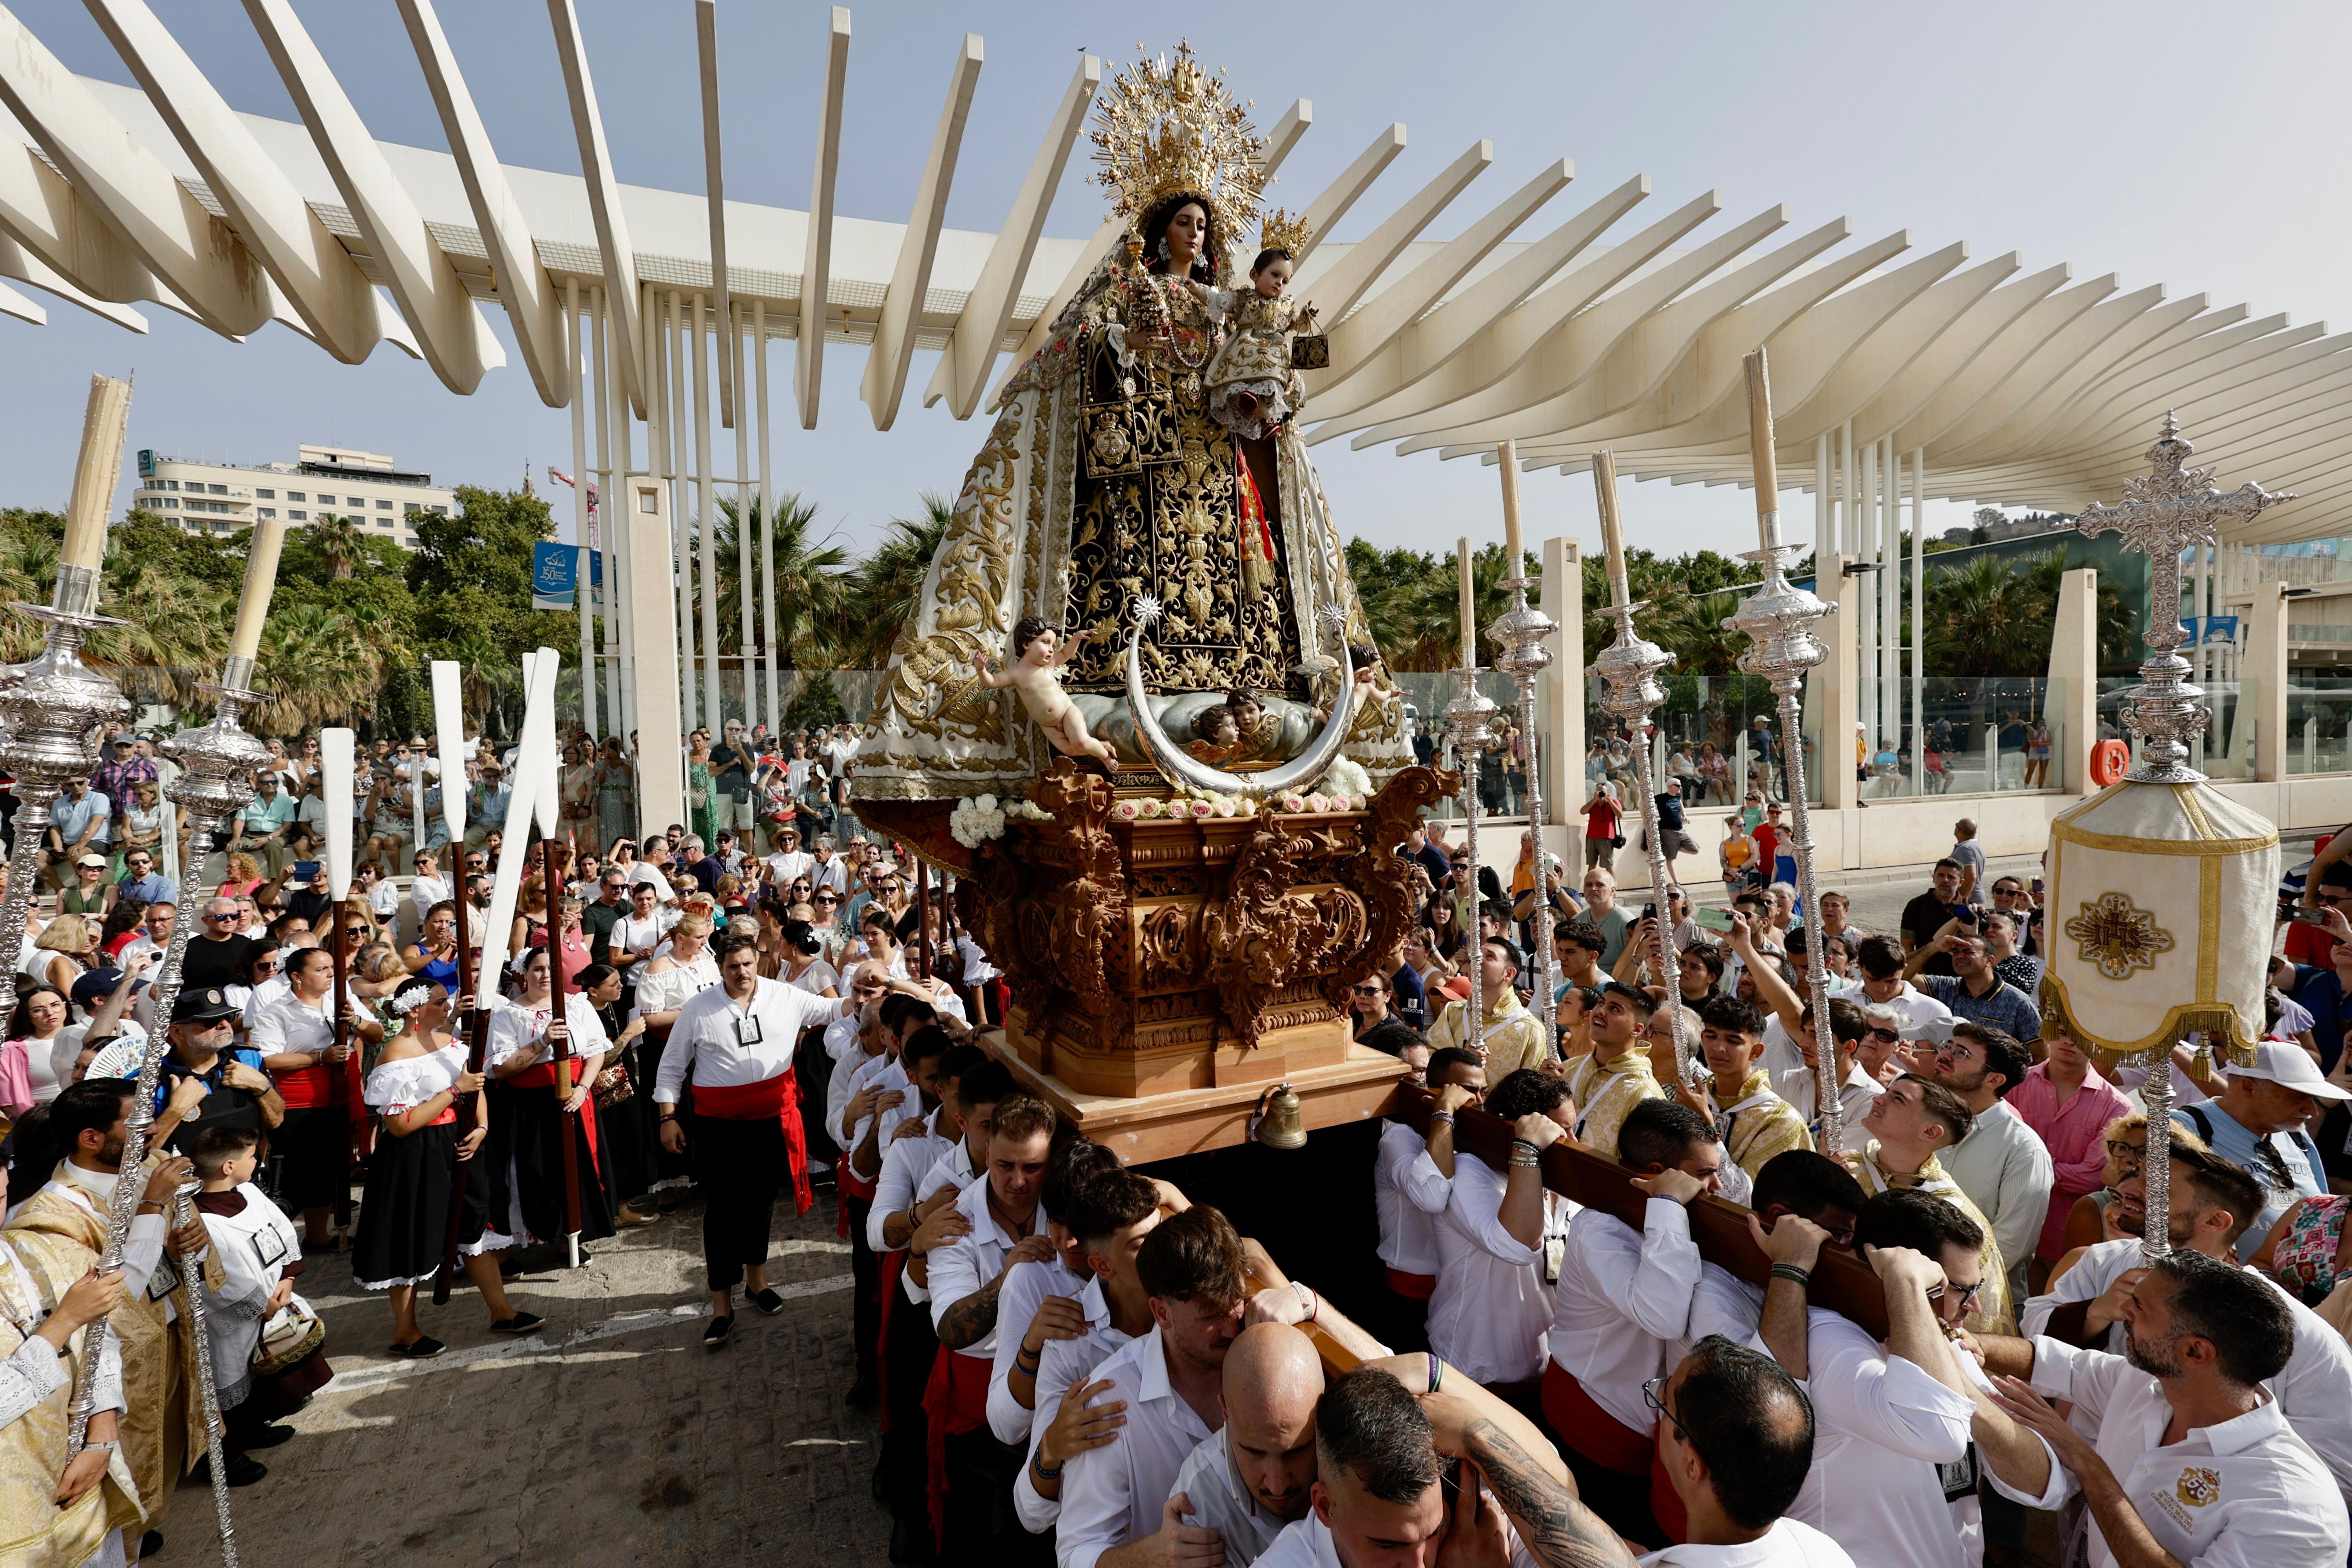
{"points": [[1160, 956]]}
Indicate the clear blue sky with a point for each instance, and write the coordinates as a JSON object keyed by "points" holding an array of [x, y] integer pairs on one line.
{"points": [[2193, 145]]}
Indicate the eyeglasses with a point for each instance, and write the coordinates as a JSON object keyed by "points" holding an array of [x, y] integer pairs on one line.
{"points": [[2119, 1150], [1968, 1298], [1653, 1395]]}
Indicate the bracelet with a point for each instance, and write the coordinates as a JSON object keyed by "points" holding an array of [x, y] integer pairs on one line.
{"points": [[1037, 1464], [110, 1446], [1028, 1363], [1441, 1119], [1792, 1274], [672, 1117], [1436, 1371], [1518, 1144]]}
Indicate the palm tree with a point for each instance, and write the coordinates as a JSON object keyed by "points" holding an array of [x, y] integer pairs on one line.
{"points": [[882, 592], [338, 538]]}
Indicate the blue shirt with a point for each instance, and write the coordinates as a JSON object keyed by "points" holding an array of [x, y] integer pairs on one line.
{"points": [[2285, 1165], [2005, 1007], [2320, 994], [154, 887], [69, 817], [1411, 1002]]}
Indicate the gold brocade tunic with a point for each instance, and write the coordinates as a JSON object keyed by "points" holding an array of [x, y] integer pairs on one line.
{"points": [[1607, 1091], [1760, 1124], [1992, 1315], [1157, 507], [159, 1369], [36, 1271]]}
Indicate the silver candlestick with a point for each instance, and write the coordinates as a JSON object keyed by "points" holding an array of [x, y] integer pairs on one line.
{"points": [[192, 1296], [2173, 508], [1523, 633], [1629, 667], [217, 764], [1468, 721], [54, 711]]}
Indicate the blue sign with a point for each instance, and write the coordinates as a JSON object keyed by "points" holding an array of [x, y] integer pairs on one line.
{"points": [[2220, 629], [555, 577]]}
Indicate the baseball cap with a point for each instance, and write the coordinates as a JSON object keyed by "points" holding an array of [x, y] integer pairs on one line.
{"points": [[97, 860], [204, 1006], [2284, 1062], [90, 992]]}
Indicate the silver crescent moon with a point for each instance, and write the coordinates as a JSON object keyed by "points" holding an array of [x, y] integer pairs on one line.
{"points": [[1178, 767]]}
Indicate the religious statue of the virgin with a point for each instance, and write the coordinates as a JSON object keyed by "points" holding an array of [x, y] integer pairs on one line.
{"points": [[1112, 502]]}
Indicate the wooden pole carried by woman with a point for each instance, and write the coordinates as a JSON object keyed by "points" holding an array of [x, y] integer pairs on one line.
{"points": [[336, 750]]}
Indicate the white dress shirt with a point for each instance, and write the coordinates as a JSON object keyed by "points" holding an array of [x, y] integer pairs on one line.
{"points": [[2099, 1266], [1491, 1307], [1883, 1426], [710, 1036], [2004, 1167], [881, 1074], [1114, 1494], [426, 891], [903, 1165], [970, 1261], [2246, 1493], [951, 1169], [786, 864], [1025, 1289], [1065, 1362], [1221, 1502], [1788, 1544], [1622, 1298], [1800, 1086], [841, 1036], [515, 1027], [1407, 1232], [1724, 1304]]}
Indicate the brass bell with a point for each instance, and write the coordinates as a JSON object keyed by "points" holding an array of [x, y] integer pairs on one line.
{"points": [[1281, 1123]]}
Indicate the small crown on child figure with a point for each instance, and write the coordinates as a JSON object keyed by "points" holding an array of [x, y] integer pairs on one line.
{"points": [[1284, 232]]}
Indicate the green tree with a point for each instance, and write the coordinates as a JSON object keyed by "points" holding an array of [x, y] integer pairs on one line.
{"points": [[881, 593]]}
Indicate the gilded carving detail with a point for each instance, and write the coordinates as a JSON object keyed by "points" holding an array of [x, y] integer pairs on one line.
{"points": [[1166, 954], [2118, 936], [1264, 935]]}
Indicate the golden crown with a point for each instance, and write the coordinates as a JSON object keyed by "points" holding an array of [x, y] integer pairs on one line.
{"points": [[1284, 232], [1169, 127]]}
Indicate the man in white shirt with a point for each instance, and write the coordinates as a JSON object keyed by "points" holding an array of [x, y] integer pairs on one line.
{"points": [[2002, 1164], [2213, 1202], [966, 1279], [1891, 1480], [638, 935], [738, 1038], [1734, 1443], [1623, 1299], [1039, 1302], [1380, 1447], [1117, 1211], [827, 870], [2236, 1486], [882, 1098], [1491, 1309], [1408, 1248], [1114, 1498], [1880, 961], [1790, 1047]]}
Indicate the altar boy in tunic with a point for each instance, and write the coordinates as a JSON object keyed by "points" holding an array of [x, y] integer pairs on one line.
{"points": [[737, 1039]]}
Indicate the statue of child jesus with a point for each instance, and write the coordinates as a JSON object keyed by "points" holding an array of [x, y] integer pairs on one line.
{"points": [[1034, 675]]}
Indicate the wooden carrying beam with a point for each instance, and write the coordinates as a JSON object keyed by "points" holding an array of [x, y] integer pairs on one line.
{"points": [[1842, 1282]]}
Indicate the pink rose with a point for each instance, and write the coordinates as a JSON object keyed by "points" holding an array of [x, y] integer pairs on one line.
{"points": [[1202, 808], [1293, 803], [1152, 808], [1125, 811], [1317, 802]]}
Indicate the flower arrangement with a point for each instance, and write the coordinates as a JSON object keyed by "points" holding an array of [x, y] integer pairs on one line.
{"points": [[975, 821]]}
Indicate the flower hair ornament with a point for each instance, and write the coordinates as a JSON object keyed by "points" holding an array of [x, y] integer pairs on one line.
{"points": [[407, 1002]]}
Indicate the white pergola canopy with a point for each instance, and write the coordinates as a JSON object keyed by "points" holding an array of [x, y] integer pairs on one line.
{"points": [[1622, 325]]}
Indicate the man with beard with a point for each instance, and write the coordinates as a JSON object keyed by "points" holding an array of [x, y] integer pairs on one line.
{"points": [[2190, 1459]]}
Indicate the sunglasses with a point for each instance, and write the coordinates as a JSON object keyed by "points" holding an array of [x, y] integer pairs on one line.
{"points": [[1883, 1035], [828, 899]]}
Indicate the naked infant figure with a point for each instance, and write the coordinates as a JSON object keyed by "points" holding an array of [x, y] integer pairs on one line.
{"points": [[1039, 653]]}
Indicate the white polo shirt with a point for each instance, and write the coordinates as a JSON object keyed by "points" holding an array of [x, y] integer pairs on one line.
{"points": [[970, 1261], [903, 1164], [2244, 1494], [841, 1086], [1623, 1300], [952, 1169], [1491, 1309], [1307, 1544], [2100, 1266], [730, 1043], [1408, 1231], [1114, 1494], [1025, 1289], [881, 1074]]}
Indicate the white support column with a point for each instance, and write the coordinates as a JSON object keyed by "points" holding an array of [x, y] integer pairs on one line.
{"points": [[768, 651], [585, 554], [1920, 621], [674, 436], [1861, 516], [2200, 608], [706, 518], [733, 360], [2073, 711], [1824, 542], [608, 537], [622, 459], [661, 787], [1890, 596], [1848, 545]]}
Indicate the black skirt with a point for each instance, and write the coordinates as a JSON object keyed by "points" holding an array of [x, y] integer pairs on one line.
{"points": [[626, 1142], [526, 1155], [314, 1144], [404, 1214]]}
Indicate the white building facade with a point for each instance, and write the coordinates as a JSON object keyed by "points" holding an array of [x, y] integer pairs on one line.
{"points": [[367, 488]]}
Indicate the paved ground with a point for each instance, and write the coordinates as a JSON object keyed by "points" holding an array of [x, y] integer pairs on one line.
{"points": [[615, 1439]]}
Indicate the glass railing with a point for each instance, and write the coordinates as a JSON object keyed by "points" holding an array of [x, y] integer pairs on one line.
{"points": [[2318, 723]]}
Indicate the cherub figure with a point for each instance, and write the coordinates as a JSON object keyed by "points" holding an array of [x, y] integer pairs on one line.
{"points": [[1039, 653], [1218, 736]]}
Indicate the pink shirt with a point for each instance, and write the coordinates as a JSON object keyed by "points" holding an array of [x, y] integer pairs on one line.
{"points": [[16, 1079], [2074, 1133]]}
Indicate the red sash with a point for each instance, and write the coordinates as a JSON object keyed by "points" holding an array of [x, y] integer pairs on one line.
{"points": [[1666, 1507], [1411, 1286], [1591, 1431], [779, 1096], [894, 1263], [847, 1184], [956, 1400]]}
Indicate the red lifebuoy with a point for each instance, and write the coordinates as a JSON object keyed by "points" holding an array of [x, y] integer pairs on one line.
{"points": [[2110, 760]]}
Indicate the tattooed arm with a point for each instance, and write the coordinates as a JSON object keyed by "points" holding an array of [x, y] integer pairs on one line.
{"points": [[964, 1308], [1523, 1470]]}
